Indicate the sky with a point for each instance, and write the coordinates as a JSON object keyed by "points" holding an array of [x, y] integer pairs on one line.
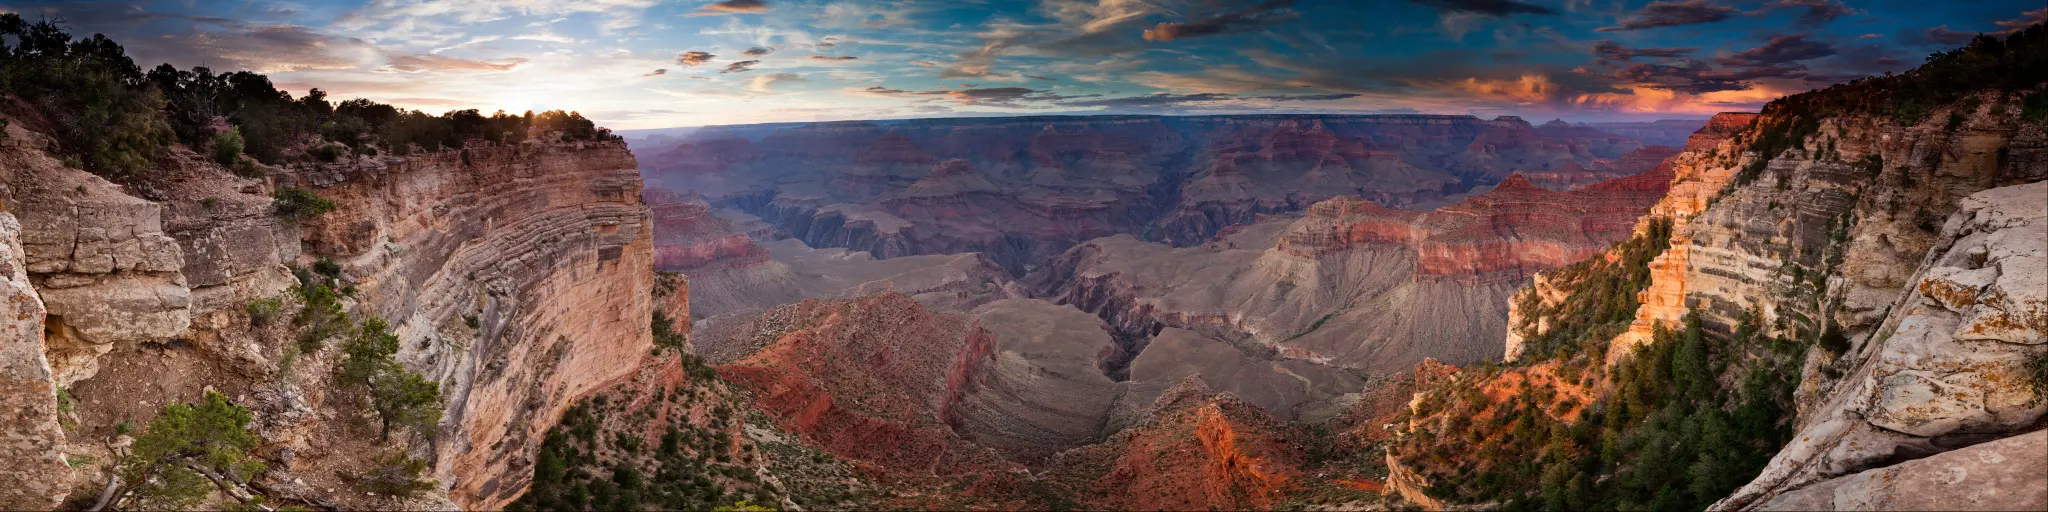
{"points": [[637, 64]]}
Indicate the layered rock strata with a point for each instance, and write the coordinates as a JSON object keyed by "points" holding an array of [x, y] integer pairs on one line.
{"points": [[546, 246], [1352, 283], [1022, 189], [1947, 367]]}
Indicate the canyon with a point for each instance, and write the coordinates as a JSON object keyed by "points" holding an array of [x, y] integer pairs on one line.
{"points": [[1839, 302], [1020, 190], [813, 291], [508, 270]]}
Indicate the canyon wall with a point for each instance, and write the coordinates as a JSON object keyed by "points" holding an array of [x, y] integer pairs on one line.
{"points": [[1947, 368], [1913, 329], [1352, 283], [518, 276], [1023, 189]]}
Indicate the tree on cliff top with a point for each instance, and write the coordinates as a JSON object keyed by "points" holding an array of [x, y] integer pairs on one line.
{"points": [[90, 89], [118, 119]]}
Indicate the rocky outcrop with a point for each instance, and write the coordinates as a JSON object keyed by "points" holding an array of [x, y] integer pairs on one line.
{"points": [[1197, 449], [1947, 368], [1698, 174], [106, 271], [1999, 475], [37, 475], [546, 246], [872, 378]]}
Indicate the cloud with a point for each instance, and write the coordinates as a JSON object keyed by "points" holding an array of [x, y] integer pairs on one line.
{"points": [[1816, 12], [1486, 7], [990, 97], [739, 67], [692, 59], [765, 84], [1045, 78], [1941, 35], [658, 72], [1311, 97], [1610, 52], [832, 58], [2026, 20], [1006, 97], [924, 63], [437, 63], [726, 7], [1151, 100], [1255, 17], [1669, 13], [1779, 50], [757, 51]]}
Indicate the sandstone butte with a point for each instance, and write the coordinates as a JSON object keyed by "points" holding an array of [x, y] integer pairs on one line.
{"points": [[509, 272]]}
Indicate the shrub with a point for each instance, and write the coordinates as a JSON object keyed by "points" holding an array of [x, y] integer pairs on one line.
{"points": [[395, 474], [262, 311], [328, 152], [164, 466], [327, 267], [227, 147], [299, 204]]}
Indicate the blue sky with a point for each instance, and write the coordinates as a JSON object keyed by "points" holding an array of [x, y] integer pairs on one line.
{"points": [[648, 63]]}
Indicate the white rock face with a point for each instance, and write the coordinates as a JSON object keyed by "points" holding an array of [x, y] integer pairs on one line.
{"points": [[1947, 367], [105, 269], [33, 476], [2006, 474]]}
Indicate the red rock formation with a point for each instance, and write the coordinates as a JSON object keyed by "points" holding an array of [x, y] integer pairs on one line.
{"points": [[1510, 232], [1199, 450], [689, 239], [870, 378]]}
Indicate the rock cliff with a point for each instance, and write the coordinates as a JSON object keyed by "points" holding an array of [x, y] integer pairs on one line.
{"points": [[1947, 368], [515, 276], [546, 246]]}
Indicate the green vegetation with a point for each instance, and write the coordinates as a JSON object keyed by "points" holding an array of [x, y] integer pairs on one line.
{"points": [[90, 90], [188, 450], [395, 474], [227, 147], [1602, 299], [402, 398], [119, 119], [263, 311], [1691, 416], [299, 204], [320, 317], [2018, 63], [665, 335]]}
